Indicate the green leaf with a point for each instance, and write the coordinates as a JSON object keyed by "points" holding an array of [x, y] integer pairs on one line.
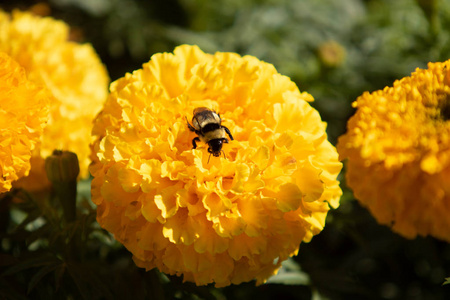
{"points": [[32, 216], [290, 274], [79, 281], [40, 274], [447, 281], [41, 232], [290, 278], [35, 261], [72, 229], [59, 275], [90, 281], [290, 265]]}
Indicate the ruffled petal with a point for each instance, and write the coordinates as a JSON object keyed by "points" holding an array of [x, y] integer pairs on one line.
{"points": [[73, 75], [398, 150], [246, 210]]}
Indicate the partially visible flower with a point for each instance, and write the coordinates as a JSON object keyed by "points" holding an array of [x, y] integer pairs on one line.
{"points": [[40, 9], [398, 151], [72, 72], [23, 116], [236, 217], [332, 54]]}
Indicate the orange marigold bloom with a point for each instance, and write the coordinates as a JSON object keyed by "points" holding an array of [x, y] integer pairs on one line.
{"points": [[235, 217], [23, 116], [398, 151], [73, 74]]}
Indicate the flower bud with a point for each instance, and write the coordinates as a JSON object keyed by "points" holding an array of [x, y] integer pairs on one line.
{"points": [[62, 166], [62, 170]]}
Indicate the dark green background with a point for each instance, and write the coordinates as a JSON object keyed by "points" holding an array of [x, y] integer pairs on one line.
{"points": [[354, 257]]}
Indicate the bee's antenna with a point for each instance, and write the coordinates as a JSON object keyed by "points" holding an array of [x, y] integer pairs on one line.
{"points": [[209, 158]]}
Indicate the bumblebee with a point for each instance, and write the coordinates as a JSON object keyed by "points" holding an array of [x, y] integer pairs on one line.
{"points": [[206, 123]]}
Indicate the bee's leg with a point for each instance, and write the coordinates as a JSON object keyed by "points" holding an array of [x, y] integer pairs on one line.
{"points": [[209, 158], [191, 128], [193, 142], [228, 132]]}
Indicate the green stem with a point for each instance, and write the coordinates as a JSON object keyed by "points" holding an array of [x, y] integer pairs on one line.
{"points": [[66, 192]]}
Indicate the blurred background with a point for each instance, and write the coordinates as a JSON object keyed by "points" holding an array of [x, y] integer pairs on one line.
{"points": [[334, 50]]}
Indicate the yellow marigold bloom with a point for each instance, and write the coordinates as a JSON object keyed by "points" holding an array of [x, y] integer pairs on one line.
{"points": [[398, 150], [236, 217], [23, 116], [72, 72], [332, 54]]}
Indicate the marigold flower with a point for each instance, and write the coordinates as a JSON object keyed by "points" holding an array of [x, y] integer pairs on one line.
{"points": [[23, 116], [332, 54], [398, 151], [236, 217], [72, 72]]}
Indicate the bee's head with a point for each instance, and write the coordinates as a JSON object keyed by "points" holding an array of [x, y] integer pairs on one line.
{"points": [[215, 146]]}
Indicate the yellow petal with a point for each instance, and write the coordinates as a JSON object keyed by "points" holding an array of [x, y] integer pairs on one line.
{"points": [[246, 210], [181, 228], [151, 238], [289, 197]]}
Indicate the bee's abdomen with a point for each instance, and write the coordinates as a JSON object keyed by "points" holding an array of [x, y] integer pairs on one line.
{"points": [[210, 127], [204, 118], [217, 133]]}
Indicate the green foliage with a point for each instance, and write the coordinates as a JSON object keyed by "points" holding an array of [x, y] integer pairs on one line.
{"points": [[290, 274], [44, 257], [447, 281], [382, 40]]}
